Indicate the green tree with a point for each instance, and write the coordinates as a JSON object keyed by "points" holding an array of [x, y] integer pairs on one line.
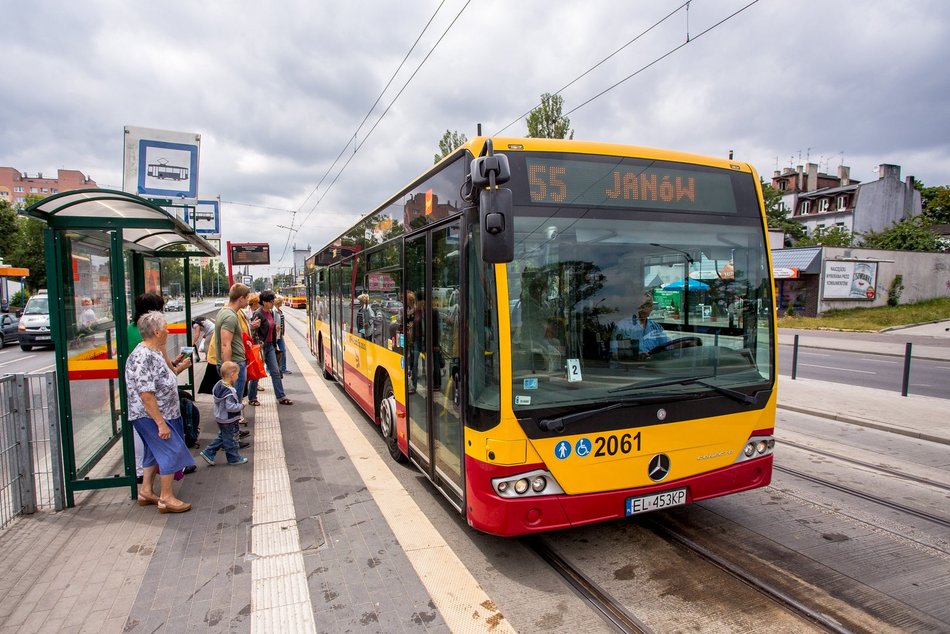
{"points": [[451, 140], [935, 202], [909, 234], [777, 217], [547, 122], [9, 228], [831, 237], [28, 252]]}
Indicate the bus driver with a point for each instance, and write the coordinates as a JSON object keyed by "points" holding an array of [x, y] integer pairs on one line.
{"points": [[642, 329]]}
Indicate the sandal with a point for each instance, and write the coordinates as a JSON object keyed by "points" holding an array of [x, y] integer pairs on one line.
{"points": [[254, 402], [285, 401], [145, 500]]}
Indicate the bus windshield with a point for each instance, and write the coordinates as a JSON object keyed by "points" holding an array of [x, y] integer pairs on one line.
{"points": [[603, 299]]}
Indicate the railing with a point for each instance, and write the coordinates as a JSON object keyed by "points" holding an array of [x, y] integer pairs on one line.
{"points": [[31, 470]]}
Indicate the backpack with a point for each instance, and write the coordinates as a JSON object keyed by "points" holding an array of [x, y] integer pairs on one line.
{"points": [[191, 419]]}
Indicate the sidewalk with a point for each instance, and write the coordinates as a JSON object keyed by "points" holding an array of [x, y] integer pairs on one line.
{"points": [[921, 417]]}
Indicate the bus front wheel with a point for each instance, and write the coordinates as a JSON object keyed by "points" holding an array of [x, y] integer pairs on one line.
{"points": [[326, 373], [387, 421]]}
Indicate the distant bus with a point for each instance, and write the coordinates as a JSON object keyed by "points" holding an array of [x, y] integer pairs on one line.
{"points": [[296, 296], [619, 358]]}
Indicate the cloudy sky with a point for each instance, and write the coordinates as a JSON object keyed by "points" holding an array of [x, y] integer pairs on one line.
{"points": [[278, 90]]}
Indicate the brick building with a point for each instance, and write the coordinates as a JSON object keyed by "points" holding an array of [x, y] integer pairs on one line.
{"points": [[15, 185]]}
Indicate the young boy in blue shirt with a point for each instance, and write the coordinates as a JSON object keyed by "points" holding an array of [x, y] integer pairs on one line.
{"points": [[227, 414]]}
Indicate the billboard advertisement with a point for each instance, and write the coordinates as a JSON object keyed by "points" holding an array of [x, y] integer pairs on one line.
{"points": [[849, 280]]}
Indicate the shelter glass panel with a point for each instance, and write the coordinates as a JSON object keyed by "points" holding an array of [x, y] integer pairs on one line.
{"points": [[91, 344]]}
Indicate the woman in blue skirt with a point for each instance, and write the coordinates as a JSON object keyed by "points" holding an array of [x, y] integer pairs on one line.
{"points": [[155, 414]]}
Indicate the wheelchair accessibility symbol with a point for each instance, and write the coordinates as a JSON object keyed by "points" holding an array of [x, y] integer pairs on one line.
{"points": [[582, 448], [562, 450]]}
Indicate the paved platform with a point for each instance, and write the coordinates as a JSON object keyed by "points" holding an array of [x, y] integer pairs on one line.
{"points": [[312, 534]]}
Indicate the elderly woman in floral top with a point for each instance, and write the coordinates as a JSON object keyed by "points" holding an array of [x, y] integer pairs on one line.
{"points": [[154, 413]]}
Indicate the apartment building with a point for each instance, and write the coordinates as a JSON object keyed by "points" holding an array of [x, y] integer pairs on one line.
{"points": [[15, 185], [824, 201]]}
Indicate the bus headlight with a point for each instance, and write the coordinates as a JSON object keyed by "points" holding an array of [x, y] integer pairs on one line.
{"points": [[531, 484], [756, 447]]}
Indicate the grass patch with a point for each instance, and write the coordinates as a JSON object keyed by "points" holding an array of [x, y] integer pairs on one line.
{"points": [[873, 319]]}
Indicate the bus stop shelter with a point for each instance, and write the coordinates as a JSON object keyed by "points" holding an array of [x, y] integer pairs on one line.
{"points": [[103, 249]]}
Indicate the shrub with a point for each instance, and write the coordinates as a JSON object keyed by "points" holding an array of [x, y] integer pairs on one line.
{"points": [[895, 290]]}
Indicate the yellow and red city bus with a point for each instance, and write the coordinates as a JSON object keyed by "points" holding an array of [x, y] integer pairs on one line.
{"points": [[618, 356], [296, 296]]}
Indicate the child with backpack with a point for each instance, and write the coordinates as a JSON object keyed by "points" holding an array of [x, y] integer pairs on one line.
{"points": [[227, 414]]}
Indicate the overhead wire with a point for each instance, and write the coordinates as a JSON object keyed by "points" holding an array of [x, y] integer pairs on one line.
{"points": [[388, 108], [662, 57], [358, 127]]}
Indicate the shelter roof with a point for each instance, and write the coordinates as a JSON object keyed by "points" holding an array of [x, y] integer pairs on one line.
{"points": [[143, 223]]}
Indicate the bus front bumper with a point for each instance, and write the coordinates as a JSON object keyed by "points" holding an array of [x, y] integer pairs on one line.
{"points": [[491, 513]]}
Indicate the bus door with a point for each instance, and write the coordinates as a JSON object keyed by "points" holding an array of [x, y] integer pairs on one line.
{"points": [[336, 319], [432, 356]]}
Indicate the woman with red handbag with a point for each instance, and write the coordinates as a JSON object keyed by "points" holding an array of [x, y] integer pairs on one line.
{"points": [[267, 333]]}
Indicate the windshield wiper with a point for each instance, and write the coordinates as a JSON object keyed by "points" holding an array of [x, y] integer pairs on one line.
{"points": [[725, 391], [557, 424]]}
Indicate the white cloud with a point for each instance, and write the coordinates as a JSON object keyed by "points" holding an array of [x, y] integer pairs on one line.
{"points": [[277, 90]]}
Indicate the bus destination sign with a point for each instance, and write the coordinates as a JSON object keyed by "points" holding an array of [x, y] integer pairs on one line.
{"points": [[250, 253], [623, 183]]}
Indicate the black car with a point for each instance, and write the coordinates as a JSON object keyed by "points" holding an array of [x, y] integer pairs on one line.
{"points": [[8, 332]]}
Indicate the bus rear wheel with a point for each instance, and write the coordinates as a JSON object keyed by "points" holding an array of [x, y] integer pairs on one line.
{"points": [[387, 421]]}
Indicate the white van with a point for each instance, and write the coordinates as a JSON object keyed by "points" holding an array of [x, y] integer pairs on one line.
{"points": [[33, 329]]}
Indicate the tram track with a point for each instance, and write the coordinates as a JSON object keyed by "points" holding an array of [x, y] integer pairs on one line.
{"points": [[864, 496], [867, 465], [611, 611], [778, 596]]}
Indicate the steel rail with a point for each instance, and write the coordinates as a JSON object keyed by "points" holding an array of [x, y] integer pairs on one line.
{"points": [[775, 594], [865, 496], [861, 463], [605, 605]]}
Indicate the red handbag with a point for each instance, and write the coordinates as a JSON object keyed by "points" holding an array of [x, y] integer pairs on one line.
{"points": [[255, 362]]}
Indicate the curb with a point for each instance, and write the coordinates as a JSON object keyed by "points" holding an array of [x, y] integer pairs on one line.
{"points": [[854, 420]]}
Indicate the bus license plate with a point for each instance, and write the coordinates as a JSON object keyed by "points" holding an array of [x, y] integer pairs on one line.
{"points": [[656, 501]]}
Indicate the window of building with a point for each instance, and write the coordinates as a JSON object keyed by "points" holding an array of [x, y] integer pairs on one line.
{"points": [[18, 189], [842, 203], [823, 205], [44, 190], [782, 185], [33, 190], [806, 207], [53, 190]]}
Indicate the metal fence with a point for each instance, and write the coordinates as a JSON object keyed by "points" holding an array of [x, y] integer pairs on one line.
{"points": [[31, 470]]}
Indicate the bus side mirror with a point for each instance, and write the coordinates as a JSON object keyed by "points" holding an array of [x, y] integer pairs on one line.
{"points": [[494, 203], [497, 229]]}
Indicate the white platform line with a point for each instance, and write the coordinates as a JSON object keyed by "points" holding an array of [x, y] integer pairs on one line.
{"points": [[463, 604], [280, 595]]}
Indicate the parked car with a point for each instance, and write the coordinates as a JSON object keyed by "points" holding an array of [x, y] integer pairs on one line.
{"points": [[33, 329], [8, 329]]}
